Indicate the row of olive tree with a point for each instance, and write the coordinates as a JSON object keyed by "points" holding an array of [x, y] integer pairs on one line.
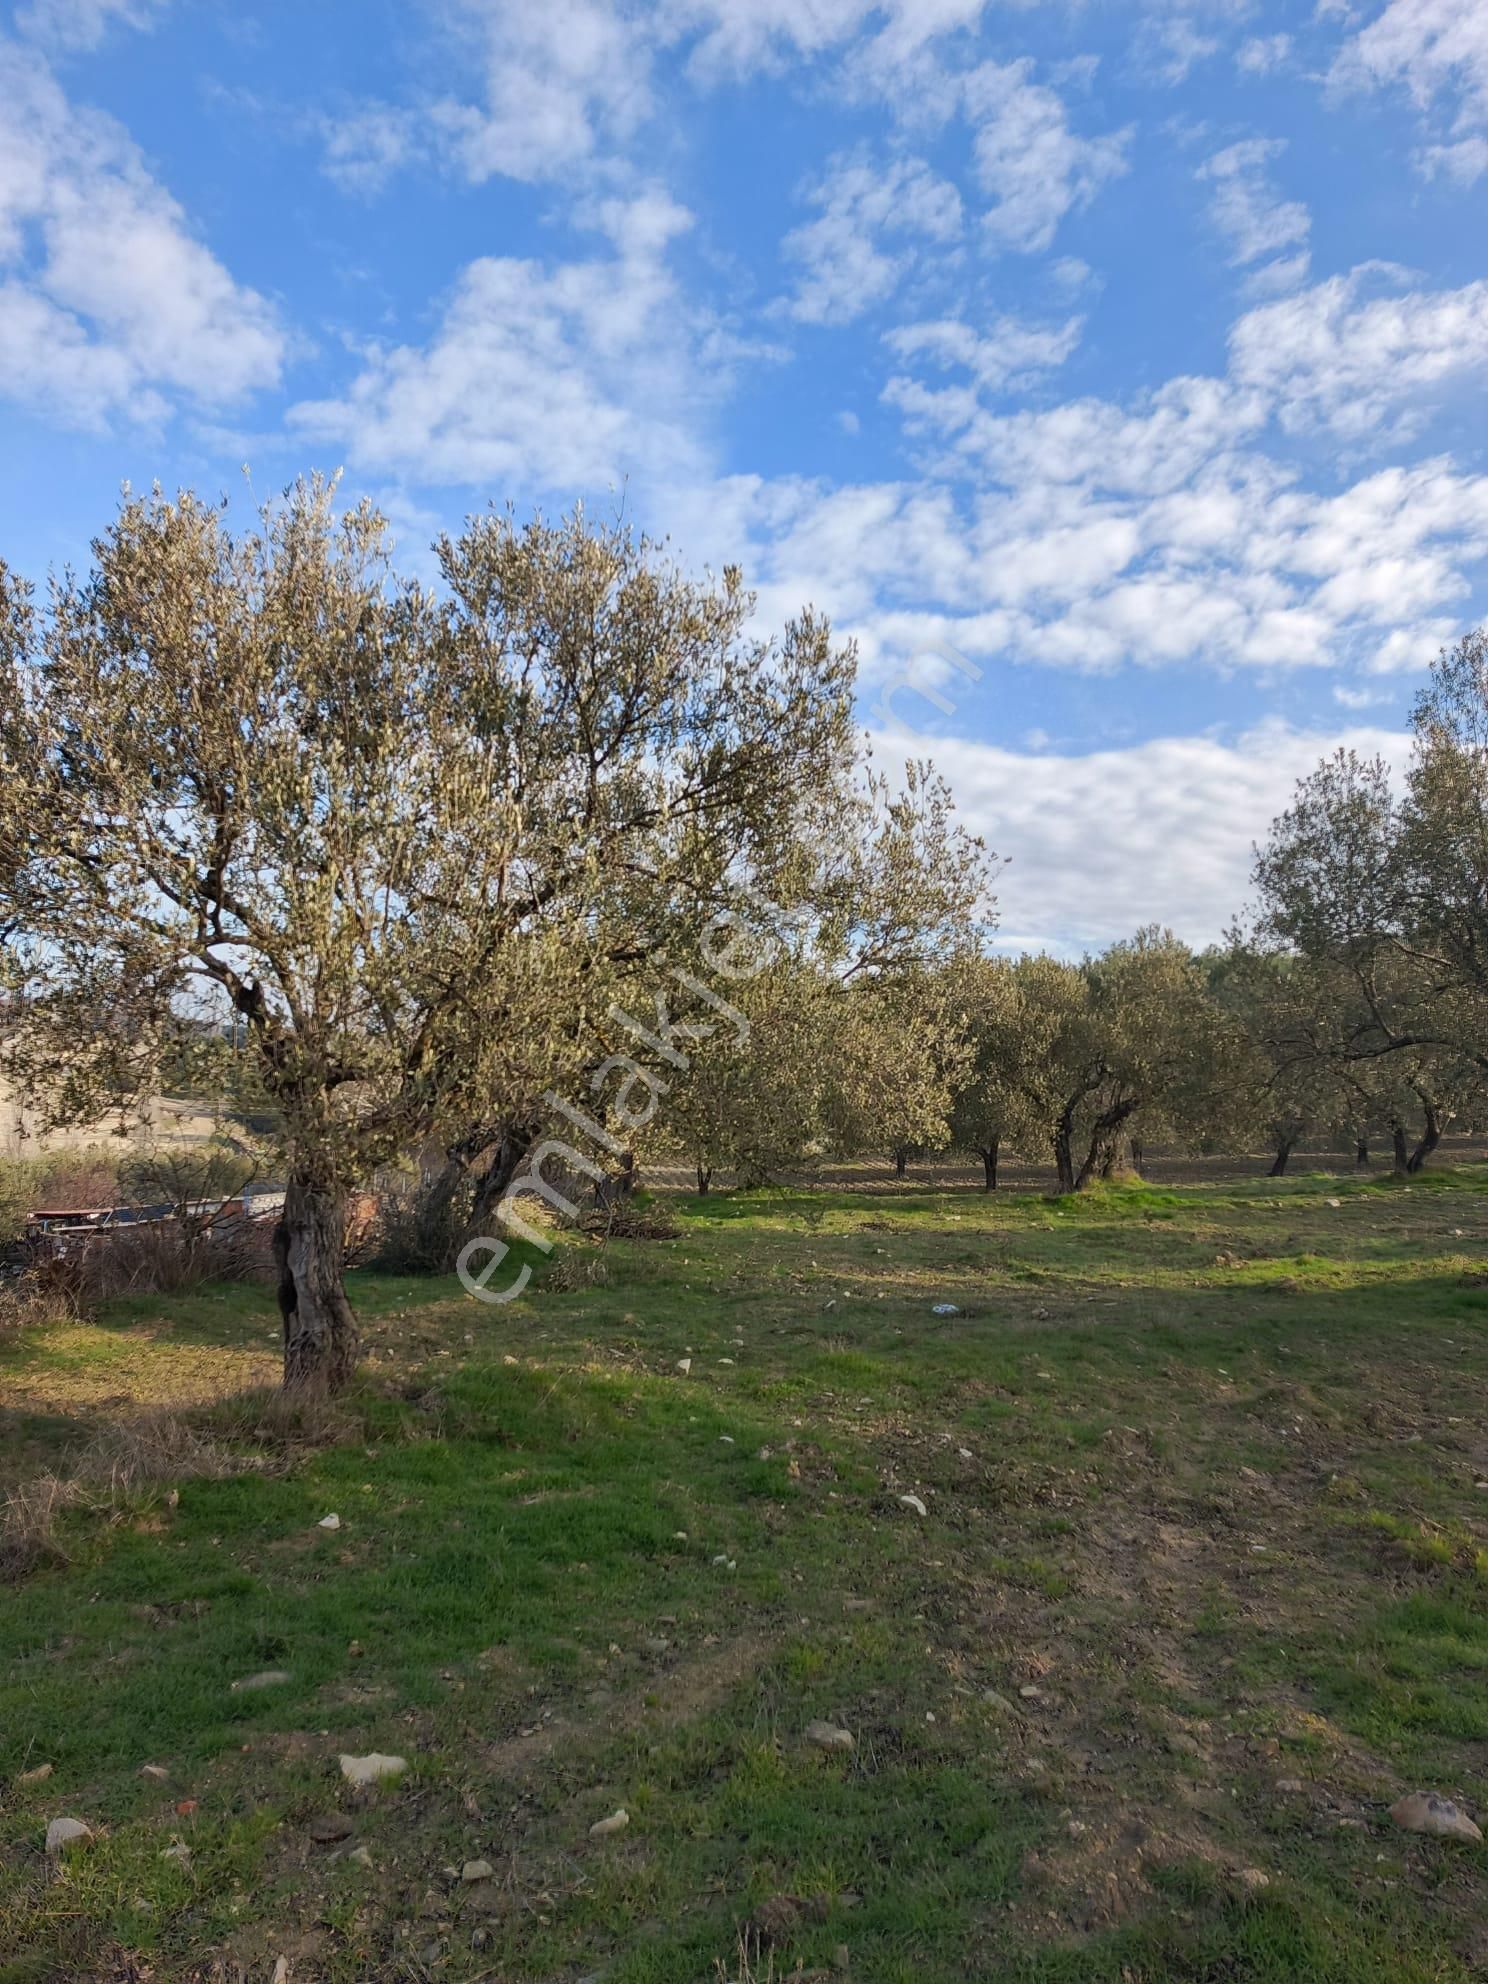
{"points": [[1078, 1066]]}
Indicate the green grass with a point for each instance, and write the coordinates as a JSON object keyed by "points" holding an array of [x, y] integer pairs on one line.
{"points": [[1200, 1466]]}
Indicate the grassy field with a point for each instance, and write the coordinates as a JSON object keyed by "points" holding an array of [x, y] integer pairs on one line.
{"points": [[1200, 1587]]}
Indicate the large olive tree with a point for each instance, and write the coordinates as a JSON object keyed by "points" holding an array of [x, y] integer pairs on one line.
{"points": [[393, 829]]}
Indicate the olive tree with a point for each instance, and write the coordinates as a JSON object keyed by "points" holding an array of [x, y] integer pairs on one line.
{"points": [[388, 826], [1000, 1100], [1390, 891], [1134, 1039]]}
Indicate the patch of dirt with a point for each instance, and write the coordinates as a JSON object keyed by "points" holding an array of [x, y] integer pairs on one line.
{"points": [[690, 1688]]}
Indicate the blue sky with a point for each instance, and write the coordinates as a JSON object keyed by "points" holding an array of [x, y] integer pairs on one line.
{"points": [[1113, 372]]}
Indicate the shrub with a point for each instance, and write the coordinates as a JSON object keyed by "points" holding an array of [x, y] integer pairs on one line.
{"points": [[419, 1230], [162, 1257]]}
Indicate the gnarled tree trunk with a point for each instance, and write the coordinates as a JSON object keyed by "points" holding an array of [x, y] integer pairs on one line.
{"points": [[704, 1179], [988, 1155], [901, 1162], [1105, 1144], [321, 1342], [1283, 1152], [1430, 1138], [1064, 1156], [1361, 1155], [513, 1144], [1400, 1149]]}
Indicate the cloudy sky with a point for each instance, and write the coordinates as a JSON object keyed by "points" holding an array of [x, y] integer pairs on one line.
{"points": [[1114, 374]]}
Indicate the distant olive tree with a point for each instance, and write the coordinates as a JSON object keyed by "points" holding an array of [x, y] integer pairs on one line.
{"points": [[1382, 898]]}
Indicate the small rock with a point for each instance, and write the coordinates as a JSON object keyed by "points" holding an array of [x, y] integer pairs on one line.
{"points": [[476, 1870], [1290, 1787], [1254, 1879], [38, 1775], [62, 1833], [185, 1807], [179, 1851], [327, 1827], [827, 1736], [1426, 1811], [272, 1677], [1000, 1702], [360, 1856], [157, 1771], [1335, 1203], [329, 1522], [1030, 1693], [913, 1502], [372, 1768], [684, 1365], [606, 1828]]}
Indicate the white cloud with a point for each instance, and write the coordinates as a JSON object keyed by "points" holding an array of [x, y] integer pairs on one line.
{"points": [[1249, 212], [1330, 357], [1263, 54], [560, 79], [1167, 50], [1101, 843], [1035, 167], [1095, 538], [543, 88], [79, 24], [366, 146], [109, 303], [1464, 162], [555, 379], [1437, 50], [1009, 354], [846, 267], [736, 38], [1432, 47], [1411, 650]]}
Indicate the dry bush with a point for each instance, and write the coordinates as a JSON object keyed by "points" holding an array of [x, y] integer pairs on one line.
{"points": [[28, 1526], [30, 1298], [628, 1219], [572, 1270], [161, 1257], [281, 1426], [126, 1464]]}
